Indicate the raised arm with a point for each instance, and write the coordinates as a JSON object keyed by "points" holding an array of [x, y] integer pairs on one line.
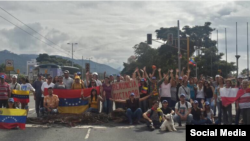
{"points": [[134, 74], [188, 73], [182, 72], [153, 74], [146, 97], [145, 72], [172, 77], [177, 74], [104, 74], [87, 79], [159, 71], [138, 73]]}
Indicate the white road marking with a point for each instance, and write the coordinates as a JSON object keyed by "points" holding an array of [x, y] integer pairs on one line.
{"points": [[87, 127], [87, 135], [126, 127], [31, 109], [35, 125]]}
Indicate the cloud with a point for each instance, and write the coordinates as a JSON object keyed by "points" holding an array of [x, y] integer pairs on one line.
{"points": [[107, 31]]}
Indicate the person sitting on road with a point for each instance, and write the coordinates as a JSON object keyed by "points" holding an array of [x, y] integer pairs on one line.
{"points": [[154, 116], [165, 109], [11, 104], [183, 111], [133, 105], [77, 83], [94, 101], [50, 103], [208, 113], [198, 118]]}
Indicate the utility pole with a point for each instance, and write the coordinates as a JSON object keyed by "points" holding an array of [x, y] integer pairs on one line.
{"points": [[226, 48], [218, 48], [179, 52], [237, 56], [247, 55], [82, 67], [72, 50], [188, 52]]}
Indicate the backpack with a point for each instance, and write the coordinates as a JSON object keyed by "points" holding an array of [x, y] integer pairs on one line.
{"points": [[179, 104], [158, 112]]}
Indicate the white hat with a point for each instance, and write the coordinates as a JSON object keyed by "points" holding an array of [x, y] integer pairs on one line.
{"points": [[14, 76], [217, 76], [94, 73]]}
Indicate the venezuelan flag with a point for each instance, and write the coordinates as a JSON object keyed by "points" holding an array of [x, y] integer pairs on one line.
{"points": [[11, 118], [70, 101], [21, 96], [144, 90], [191, 62]]}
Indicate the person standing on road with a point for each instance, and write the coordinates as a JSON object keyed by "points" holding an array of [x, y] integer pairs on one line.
{"points": [[26, 86], [209, 93], [185, 90], [183, 111], [38, 94], [47, 85], [77, 84], [154, 116], [4, 92], [238, 110], [166, 87], [68, 81], [106, 93], [133, 105], [200, 93], [95, 77], [15, 86], [60, 84]]}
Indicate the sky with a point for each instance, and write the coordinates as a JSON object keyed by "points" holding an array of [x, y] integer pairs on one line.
{"points": [[106, 31]]}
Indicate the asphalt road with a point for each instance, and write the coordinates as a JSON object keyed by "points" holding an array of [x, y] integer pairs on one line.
{"points": [[139, 133]]}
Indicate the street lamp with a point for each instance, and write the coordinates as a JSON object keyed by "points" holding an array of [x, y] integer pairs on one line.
{"points": [[72, 50]]}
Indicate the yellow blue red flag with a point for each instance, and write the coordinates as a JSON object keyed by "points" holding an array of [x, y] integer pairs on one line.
{"points": [[21, 96], [11, 118]]}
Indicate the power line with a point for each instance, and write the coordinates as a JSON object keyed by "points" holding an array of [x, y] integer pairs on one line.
{"points": [[28, 33], [29, 26]]}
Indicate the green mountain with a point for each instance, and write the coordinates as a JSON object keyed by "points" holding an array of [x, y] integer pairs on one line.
{"points": [[20, 62]]}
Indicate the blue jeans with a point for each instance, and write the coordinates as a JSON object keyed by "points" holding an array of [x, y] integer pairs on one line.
{"points": [[214, 107], [107, 106], [44, 110], [92, 110], [211, 103], [219, 106], [136, 114], [201, 122], [177, 119]]}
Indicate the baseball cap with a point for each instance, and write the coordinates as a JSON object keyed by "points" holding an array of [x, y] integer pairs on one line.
{"points": [[14, 76], [11, 100], [3, 76], [206, 103], [217, 76], [153, 78], [77, 77], [164, 101], [132, 94], [118, 75], [66, 71], [182, 95], [79, 73], [180, 78], [195, 102], [142, 79], [110, 75], [94, 73]]}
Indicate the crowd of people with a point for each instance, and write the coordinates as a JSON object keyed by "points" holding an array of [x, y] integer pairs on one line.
{"points": [[189, 99]]}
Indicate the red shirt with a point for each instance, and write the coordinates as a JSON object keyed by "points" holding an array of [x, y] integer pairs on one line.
{"points": [[4, 91]]}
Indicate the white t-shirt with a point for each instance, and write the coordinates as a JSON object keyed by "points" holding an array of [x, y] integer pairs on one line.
{"points": [[209, 115], [46, 85], [183, 108], [27, 87], [165, 90], [200, 93]]}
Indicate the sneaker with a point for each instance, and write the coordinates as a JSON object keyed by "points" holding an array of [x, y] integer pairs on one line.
{"points": [[152, 127]]}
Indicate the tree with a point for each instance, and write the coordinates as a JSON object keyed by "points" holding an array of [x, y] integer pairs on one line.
{"points": [[244, 72], [46, 59], [2, 68], [166, 56]]}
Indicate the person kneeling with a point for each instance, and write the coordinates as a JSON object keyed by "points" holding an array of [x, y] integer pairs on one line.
{"points": [[183, 111], [50, 102], [154, 116]]}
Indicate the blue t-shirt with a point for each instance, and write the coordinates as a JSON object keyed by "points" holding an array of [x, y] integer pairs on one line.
{"points": [[192, 92]]}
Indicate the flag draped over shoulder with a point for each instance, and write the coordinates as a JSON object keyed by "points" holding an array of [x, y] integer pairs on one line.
{"points": [[144, 90], [229, 96], [21, 96], [70, 101], [243, 98], [11, 118]]}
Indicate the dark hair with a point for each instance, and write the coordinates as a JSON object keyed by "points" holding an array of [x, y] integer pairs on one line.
{"points": [[54, 80], [108, 79], [155, 101], [92, 94], [90, 84]]}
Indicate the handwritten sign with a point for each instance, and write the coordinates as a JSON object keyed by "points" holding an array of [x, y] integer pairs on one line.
{"points": [[122, 90]]}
